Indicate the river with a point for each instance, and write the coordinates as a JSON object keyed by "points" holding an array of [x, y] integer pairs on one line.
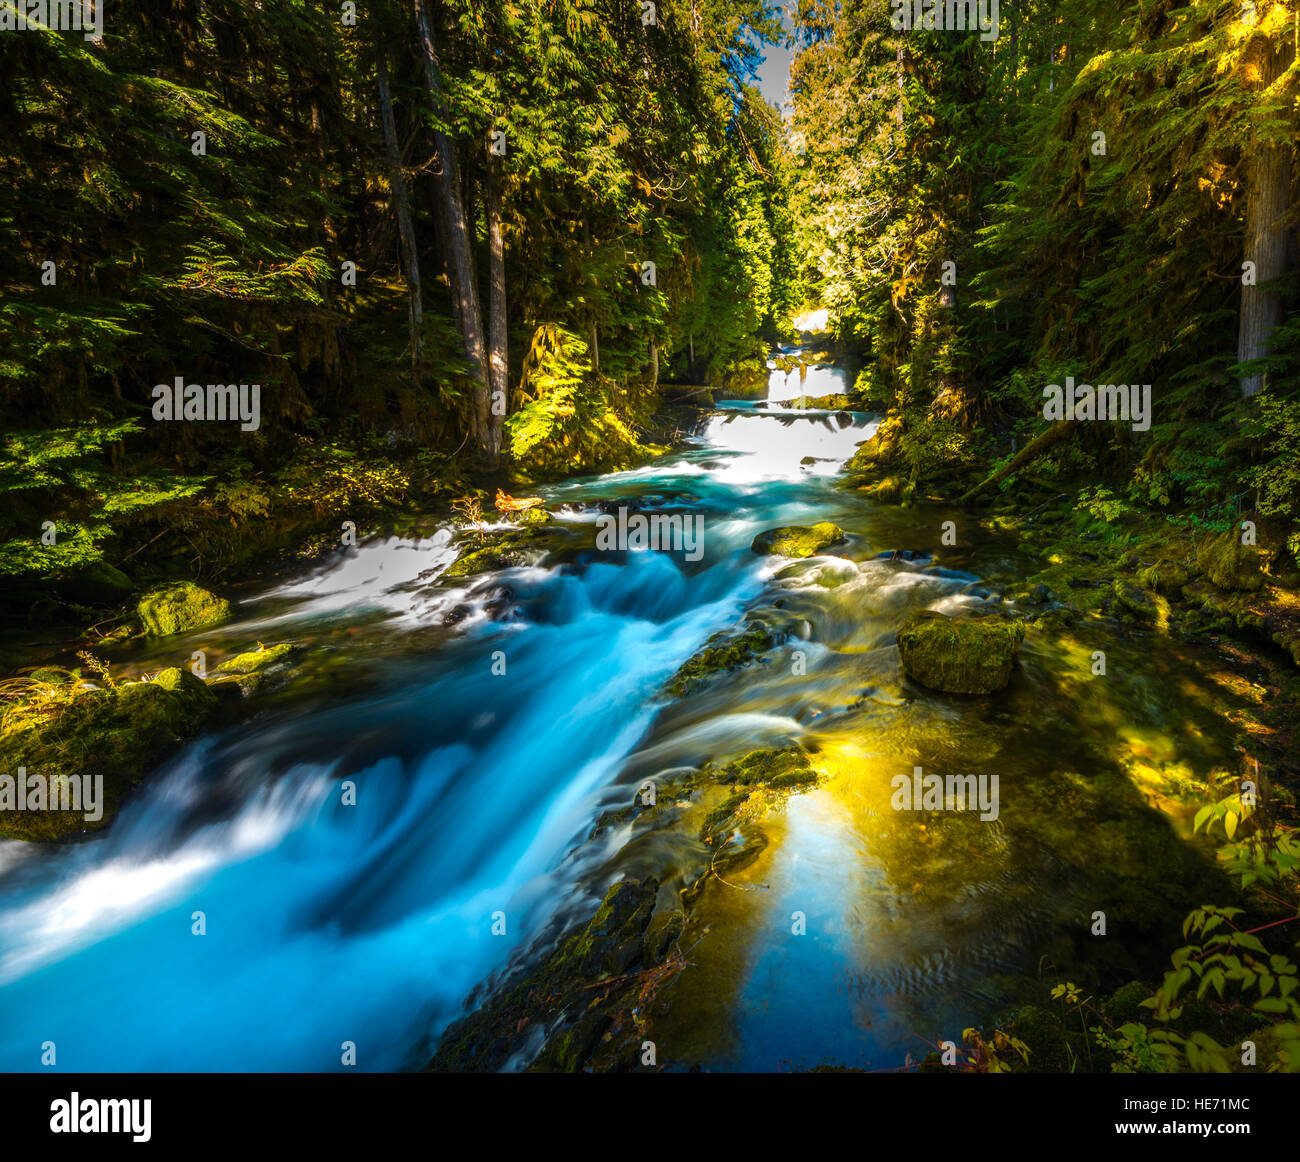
{"points": [[475, 790]]}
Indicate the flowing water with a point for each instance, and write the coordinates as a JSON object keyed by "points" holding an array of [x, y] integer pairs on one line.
{"points": [[476, 791]]}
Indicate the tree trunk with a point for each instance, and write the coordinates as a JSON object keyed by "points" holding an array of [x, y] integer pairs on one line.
{"points": [[452, 211], [593, 344], [1031, 451], [498, 361], [405, 226], [1268, 192]]}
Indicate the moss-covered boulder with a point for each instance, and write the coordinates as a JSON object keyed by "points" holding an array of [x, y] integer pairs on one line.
{"points": [[181, 607], [973, 656], [120, 733], [534, 516], [1140, 603], [1166, 577], [1229, 564], [798, 540]]}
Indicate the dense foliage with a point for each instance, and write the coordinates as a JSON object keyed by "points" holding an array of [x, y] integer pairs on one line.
{"points": [[260, 194], [1098, 175]]}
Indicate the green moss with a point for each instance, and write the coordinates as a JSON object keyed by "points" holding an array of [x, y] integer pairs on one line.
{"points": [[960, 657], [1229, 563], [254, 660], [595, 1021], [181, 607], [508, 549], [1140, 603], [833, 402], [890, 490], [721, 654], [789, 765], [121, 734], [798, 540], [1165, 577]]}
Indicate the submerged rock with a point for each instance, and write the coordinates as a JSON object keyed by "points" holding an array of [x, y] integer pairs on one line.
{"points": [[973, 656], [120, 733], [798, 540], [180, 607]]}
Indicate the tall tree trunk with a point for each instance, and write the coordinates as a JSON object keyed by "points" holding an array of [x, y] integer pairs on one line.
{"points": [[498, 360], [452, 212], [1268, 193], [592, 344], [405, 226]]}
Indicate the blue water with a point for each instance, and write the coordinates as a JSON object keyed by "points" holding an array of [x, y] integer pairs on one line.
{"points": [[328, 923]]}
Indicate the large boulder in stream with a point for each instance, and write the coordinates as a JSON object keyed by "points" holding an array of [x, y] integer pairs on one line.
{"points": [[181, 607], [798, 540], [972, 656]]}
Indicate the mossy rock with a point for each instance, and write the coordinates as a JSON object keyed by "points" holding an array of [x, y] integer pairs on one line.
{"points": [[508, 549], [1230, 564], [535, 516], [120, 733], [486, 560], [890, 490], [830, 403], [975, 656], [786, 767], [597, 1027], [1138, 602], [1166, 577], [252, 661], [181, 607], [798, 540], [722, 653]]}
